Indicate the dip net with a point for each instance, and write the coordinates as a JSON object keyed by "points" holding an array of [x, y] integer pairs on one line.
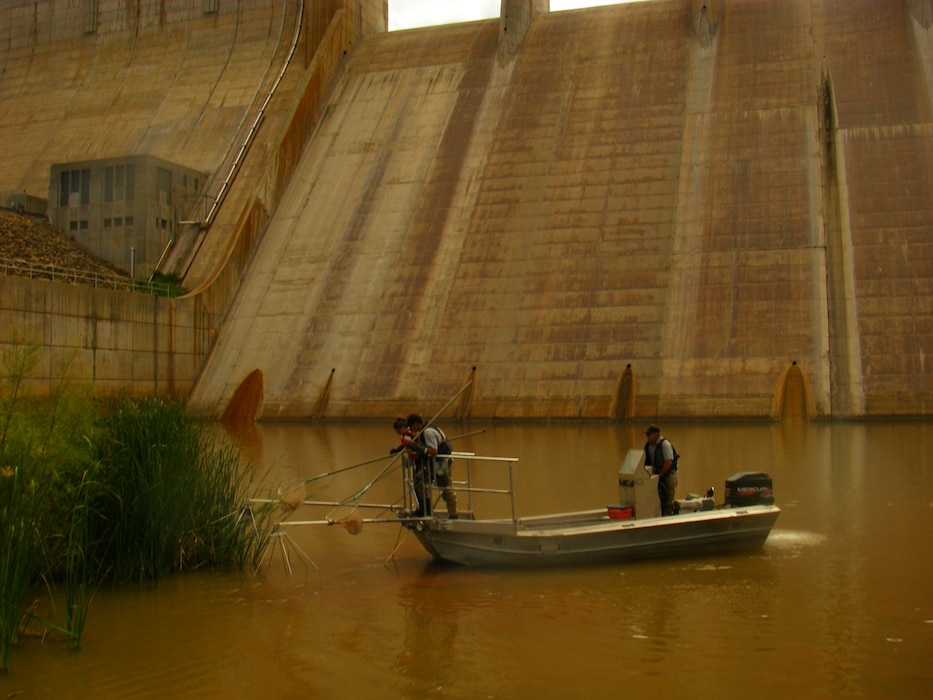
{"points": [[292, 494]]}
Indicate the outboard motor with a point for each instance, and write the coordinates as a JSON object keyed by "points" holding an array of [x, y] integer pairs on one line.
{"points": [[749, 489]]}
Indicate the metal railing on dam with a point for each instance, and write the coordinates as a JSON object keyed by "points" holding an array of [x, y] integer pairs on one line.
{"points": [[91, 279]]}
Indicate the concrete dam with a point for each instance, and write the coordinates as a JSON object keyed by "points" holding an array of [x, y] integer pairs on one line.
{"points": [[667, 209]]}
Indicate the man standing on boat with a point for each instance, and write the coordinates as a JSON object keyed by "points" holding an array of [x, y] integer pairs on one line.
{"points": [[437, 469], [413, 473], [661, 456]]}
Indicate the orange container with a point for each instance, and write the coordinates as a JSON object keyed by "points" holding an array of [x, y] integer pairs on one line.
{"points": [[621, 512]]}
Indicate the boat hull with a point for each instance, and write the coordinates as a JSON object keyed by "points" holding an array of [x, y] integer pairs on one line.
{"points": [[592, 537]]}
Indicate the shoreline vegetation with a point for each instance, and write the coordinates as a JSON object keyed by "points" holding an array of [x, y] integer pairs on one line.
{"points": [[111, 492]]}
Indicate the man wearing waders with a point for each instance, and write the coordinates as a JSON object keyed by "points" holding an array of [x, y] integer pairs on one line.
{"points": [[661, 456], [437, 468]]}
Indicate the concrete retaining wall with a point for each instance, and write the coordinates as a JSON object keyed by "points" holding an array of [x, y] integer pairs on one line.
{"points": [[123, 343]]}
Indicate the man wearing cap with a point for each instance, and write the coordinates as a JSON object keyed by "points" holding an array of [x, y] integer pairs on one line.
{"points": [[662, 458], [436, 466]]}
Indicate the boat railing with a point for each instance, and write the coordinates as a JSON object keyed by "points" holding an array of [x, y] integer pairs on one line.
{"points": [[465, 484]]}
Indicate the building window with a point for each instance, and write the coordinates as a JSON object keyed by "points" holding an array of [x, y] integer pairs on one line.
{"points": [[75, 188], [120, 183], [164, 185]]}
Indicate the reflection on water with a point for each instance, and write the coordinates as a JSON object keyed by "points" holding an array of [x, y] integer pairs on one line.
{"points": [[836, 604], [429, 634]]}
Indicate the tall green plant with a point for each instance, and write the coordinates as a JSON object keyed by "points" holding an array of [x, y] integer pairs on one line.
{"points": [[226, 530], [175, 499], [45, 434], [19, 563], [79, 576], [20, 497], [65, 561], [69, 414], [17, 363], [146, 450]]}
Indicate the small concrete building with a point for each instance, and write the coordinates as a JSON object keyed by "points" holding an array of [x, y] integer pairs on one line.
{"points": [[23, 203], [124, 210]]}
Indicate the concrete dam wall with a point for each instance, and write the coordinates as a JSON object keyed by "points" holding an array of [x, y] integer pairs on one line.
{"points": [[669, 208], [674, 209]]}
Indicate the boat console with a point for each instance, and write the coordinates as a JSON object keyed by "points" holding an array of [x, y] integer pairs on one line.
{"points": [[638, 487]]}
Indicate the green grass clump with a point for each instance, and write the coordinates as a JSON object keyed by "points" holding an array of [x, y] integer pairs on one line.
{"points": [[168, 285], [124, 491], [175, 499]]}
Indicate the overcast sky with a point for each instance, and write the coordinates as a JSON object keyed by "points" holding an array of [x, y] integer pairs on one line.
{"points": [[406, 14]]}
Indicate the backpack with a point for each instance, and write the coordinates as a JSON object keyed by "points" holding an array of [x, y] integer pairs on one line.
{"points": [[444, 447]]}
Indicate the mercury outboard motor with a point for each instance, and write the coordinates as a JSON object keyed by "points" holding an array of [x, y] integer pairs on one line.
{"points": [[749, 489]]}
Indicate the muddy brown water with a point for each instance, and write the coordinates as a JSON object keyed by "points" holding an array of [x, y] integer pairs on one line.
{"points": [[836, 604]]}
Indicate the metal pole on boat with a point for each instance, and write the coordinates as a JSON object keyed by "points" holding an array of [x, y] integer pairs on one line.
{"points": [[469, 484], [469, 434], [512, 498], [301, 482], [447, 405]]}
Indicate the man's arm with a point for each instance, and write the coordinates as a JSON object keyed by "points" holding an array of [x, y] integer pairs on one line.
{"points": [[431, 441]]}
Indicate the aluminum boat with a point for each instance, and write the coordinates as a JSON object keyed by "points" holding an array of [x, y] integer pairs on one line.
{"points": [[633, 528]]}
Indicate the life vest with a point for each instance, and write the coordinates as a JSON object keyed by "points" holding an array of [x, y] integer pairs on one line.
{"points": [[659, 452]]}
